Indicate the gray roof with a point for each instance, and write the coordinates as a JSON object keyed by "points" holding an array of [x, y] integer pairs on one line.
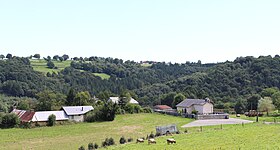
{"points": [[190, 102], [77, 110], [44, 115]]}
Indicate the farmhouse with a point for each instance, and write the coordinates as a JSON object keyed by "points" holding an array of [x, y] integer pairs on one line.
{"points": [[117, 99], [72, 113], [202, 106], [76, 113]]}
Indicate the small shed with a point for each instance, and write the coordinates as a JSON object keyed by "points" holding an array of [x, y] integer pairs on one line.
{"points": [[162, 130]]}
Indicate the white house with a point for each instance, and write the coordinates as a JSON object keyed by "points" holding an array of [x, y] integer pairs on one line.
{"points": [[117, 99], [76, 113], [202, 106]]}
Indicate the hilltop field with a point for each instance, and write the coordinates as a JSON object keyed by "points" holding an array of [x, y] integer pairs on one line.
{"points": [[249, 136], [41, 66]]}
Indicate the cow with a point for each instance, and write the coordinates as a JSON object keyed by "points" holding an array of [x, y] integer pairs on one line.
{"points": [[171, 141], [140, 140], [150, 141]]}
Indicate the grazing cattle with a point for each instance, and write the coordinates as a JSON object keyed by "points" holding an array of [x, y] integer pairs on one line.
{"points": [[171, 141], [140, 140], [152, 141]]}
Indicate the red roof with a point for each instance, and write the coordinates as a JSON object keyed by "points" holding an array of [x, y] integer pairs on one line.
{"points": [[162, 107], [24, 116]]}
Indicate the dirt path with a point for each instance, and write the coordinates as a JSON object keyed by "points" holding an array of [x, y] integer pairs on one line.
{"points": [[213, 122]]}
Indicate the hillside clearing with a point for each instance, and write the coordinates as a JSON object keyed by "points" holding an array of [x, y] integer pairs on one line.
{"points": [[73, 136], [41, 65]]}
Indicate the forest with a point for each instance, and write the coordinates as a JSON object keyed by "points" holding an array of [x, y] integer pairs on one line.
{"points": [[226, 84]]}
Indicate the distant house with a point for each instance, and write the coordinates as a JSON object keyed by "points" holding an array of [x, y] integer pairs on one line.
{"points": [[77, 113], [24, 115], [162, 107], [42, 116], [202, 106], [117, 99]]}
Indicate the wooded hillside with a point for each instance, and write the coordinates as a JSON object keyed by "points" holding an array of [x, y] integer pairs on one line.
{"points": [[222, 82]]}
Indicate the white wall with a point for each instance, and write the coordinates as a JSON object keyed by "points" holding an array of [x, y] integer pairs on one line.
{"points": [[208, 108], [77, 118]]}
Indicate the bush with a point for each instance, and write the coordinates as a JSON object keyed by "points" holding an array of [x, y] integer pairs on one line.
{"points": [[151, 135], [108, 142], [82, 148], [147, 110], [50, 64], [194, 112], [111, 141], [95, 146], [129, 139], [122, 140], [10, 120], [51, 120], [90, 146]]}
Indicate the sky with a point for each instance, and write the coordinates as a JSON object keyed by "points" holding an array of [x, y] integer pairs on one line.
{"points": [[159, 30]]}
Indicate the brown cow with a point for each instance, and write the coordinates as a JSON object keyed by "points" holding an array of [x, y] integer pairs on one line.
{"points": [[171, 141], [140, 140], [152, 141]]}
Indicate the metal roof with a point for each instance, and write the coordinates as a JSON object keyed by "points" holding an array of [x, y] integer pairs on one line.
{"points": [[162, 107], [44, 115], [24, 116], [190, 102], [77, 110], [117, 99]]}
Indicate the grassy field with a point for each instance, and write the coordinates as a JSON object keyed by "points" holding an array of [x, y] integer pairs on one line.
{"points": [[103, 76], [251, 136], [261, 119], [41, 65], [73, 136]]}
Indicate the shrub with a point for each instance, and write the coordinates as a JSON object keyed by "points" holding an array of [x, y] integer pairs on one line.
{"points": [[105, 143], [122, 140], [129, 139], [111, 141], [95, 146], [147, 110], [90, 146], [82, 148], [50, 64], [10, 120], [51, 120], [194, 112], [151, 135]]}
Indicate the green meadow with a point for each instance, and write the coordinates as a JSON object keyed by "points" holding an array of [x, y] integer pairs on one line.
{"points": [[74, 135], [255, 136]]}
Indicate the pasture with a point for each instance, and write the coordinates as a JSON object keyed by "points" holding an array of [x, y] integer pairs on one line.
{"points": [[74, 135], [249, 136], [41, 65]]}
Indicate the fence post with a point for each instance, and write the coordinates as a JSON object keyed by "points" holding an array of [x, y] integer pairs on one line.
{"points": [[221, 126]]}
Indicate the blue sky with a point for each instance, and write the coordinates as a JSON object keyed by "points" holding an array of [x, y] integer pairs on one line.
{"points": [[160, 30]]}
